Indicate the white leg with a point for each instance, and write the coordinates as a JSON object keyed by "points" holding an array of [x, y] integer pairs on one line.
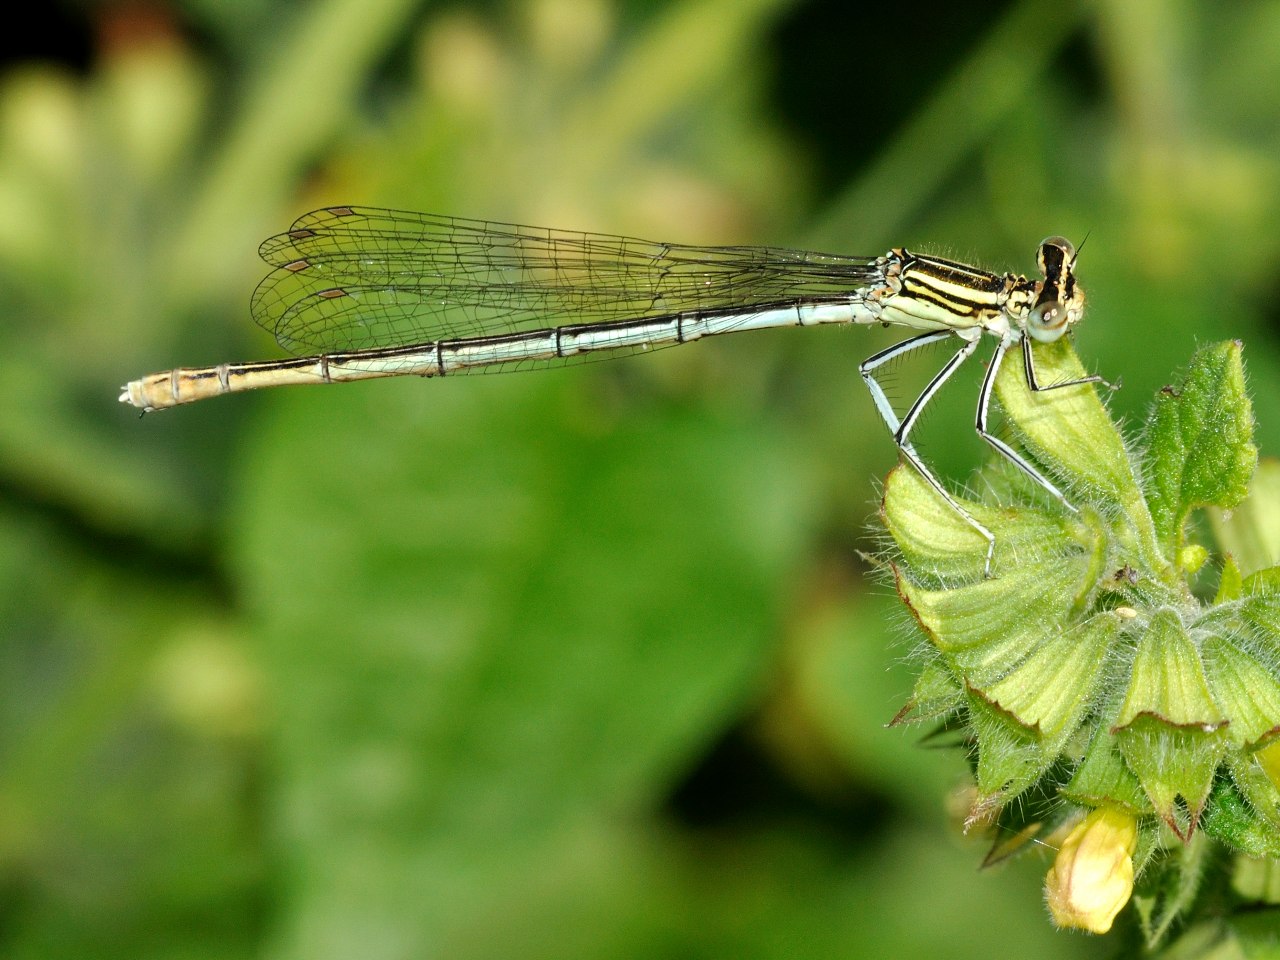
{"points": [[984, 401], [901, 429], [1033, 383]]}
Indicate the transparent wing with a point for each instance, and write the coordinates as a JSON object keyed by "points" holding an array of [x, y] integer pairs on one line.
{"points": [[353, 278]]}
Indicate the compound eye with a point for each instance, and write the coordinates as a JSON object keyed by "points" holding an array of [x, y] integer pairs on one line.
{"points": [[1055, 253], [1047, 321]]}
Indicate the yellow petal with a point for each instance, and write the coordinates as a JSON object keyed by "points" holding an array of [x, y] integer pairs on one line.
{"points": [[1269, 758], [1092, 878]]}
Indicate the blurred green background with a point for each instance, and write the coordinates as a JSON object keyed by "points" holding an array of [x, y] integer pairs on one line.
{"points": [[583, 663]]}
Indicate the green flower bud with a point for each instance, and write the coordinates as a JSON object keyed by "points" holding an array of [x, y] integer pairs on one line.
{"points": [[1090, 669]]}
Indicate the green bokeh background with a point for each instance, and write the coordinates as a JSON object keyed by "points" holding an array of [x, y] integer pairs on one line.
{"points": [[574, 664]]}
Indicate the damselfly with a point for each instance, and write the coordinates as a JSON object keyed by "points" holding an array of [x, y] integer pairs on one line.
{"points": [[358, 293]]}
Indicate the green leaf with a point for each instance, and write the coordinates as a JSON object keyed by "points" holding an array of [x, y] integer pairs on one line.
{"points": [[939, 545], [1250, 531], [1229, 817], [1261, 583], [1168, 680], [936, 693], [1102, 777], [1167, 891], [1050, 690], [1244, 686], [983, 628], [1011, 755], [1230, 583], [1068, 431], [1254, 776], [1200, 441], [1169, 728], [987, 627]]}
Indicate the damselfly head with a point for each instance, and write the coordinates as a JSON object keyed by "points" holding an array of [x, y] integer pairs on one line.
{"points": [[1059, 300]]}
